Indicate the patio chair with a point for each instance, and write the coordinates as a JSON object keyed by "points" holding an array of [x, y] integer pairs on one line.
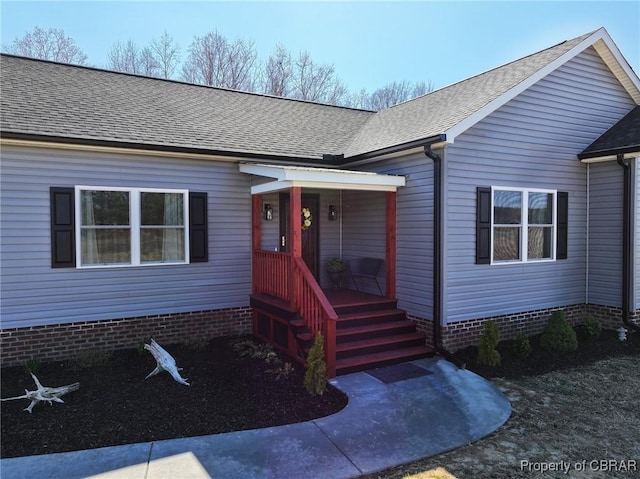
{"points": [[364, 268]]}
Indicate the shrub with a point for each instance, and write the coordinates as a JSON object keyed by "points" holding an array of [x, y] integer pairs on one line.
{"points": [[558, 335], [592, 328], [315, 378], [522, 347], [32, 366], [141, 350], [487, 354]]}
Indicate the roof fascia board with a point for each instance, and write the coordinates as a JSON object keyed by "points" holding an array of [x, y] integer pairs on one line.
{"points": [[41, 141], [612, 56], [320, 175], [598, 35], [275, 186], [609, 156]]}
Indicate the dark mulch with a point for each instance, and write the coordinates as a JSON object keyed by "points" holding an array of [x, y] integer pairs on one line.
{"points": [[115, 405], [543, 361]]}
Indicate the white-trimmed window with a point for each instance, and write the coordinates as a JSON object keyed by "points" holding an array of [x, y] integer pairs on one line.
{"points": [[523, 225], [131, 226]]}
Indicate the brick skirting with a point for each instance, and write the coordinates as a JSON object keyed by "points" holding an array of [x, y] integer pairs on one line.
{"points": [[467, 333], [62, 341]]}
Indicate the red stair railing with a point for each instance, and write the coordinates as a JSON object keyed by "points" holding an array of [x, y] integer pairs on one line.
{"points": [[282, 276], [315, 309], [271, 273]]}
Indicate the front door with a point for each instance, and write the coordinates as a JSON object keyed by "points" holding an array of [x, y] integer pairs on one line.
{"points": [[310, 236]]}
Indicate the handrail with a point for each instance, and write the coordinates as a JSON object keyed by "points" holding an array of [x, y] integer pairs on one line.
{"points": [[271, 273], [315, 309]]}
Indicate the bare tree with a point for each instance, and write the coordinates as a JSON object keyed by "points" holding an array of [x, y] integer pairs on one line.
{"points": [[215, 61], [125, 57], [166, 54], [315, 82], [397, 92], [278, 72], [52, 44]]}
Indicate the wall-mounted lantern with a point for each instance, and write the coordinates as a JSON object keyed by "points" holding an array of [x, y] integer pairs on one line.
{"points": [[333, 213], [268, 212]]}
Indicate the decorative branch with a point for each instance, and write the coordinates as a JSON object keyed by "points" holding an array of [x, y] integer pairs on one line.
{"points": [[165, 362], [44, 393]]}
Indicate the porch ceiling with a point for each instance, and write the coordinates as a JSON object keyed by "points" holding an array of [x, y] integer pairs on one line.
{"points": [[286, 177]]}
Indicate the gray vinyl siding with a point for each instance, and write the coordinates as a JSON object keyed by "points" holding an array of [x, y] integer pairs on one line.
{"points": [[364, 232], [35, 294], [414, 235], [530, 142], [605, 234]]}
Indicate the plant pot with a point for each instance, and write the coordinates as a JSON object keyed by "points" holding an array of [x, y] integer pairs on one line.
{"points": [[336, 278]]}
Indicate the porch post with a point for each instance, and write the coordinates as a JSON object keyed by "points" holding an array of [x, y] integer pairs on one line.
{"points": [[256, 240], [295, 234], [391, 245]]}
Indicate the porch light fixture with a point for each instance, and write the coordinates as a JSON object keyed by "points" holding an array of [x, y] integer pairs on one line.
{"points": [[268, 212], [333, 213]]}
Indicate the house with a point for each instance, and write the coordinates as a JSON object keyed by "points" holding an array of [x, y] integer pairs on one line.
{"points": [[136, 207]]}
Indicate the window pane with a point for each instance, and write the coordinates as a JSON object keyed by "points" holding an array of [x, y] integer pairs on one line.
{"points": [[105, 246], [161, 244], [105, 208], [506, 244], [540, 208], [162, 209], [507, 209], [539, 246]]}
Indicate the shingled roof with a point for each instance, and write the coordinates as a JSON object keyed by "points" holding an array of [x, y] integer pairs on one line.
{"points": [[41, 98], [57, 102], [621, 138]]}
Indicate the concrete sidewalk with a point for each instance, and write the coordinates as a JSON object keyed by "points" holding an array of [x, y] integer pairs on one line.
{"points": [[395, 415]]}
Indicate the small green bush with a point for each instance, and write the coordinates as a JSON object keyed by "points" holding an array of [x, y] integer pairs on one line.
{"points": [[592, 328], [522, 347], [141, 350], [487, 353], [315, 378], [558, 335], [32, 366]]}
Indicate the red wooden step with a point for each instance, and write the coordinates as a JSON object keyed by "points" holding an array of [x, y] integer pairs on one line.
{"points": [[370, 317], [379, 344], [375, 360], [374, 330]]}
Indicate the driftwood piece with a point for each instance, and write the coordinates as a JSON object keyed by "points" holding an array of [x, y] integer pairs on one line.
{"points": [[44, 393], [165, 362]]}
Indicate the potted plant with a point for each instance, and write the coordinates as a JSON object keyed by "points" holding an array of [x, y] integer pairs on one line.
{"points": [[335, 268]]}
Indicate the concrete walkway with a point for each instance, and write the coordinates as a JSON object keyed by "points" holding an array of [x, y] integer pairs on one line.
{"points": [[395, 415]]}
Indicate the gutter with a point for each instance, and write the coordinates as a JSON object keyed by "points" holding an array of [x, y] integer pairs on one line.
{"points": [[131, 147], [627, 221], [437, 257]]}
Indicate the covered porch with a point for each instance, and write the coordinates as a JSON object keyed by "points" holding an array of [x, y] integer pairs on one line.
{"points": [[301, 217]]}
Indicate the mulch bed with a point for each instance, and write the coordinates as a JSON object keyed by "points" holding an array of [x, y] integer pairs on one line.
{"points": [[542, 361], [116, 405]]}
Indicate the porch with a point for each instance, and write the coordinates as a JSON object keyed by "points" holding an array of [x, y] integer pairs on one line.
{"points": [[295, 233]]}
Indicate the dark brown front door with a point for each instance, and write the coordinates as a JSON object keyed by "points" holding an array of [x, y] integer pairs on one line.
{"points": [[310, 237]]}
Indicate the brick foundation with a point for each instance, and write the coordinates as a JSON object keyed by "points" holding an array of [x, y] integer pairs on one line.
{"points": [[62, 341], [610, 318], [467, 333], [424, 326]]}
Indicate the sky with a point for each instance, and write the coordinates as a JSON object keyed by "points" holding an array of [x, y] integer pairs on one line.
{"points": [[370, 44]]}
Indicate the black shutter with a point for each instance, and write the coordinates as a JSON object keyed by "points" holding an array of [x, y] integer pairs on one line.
{"points": [[63, 248], [563, 222], [483, 226], [198, 230]]}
